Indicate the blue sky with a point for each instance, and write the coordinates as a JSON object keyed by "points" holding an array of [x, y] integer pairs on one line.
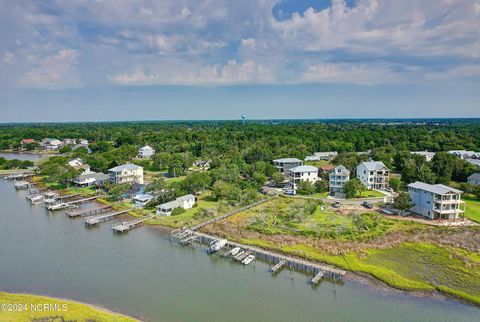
{"points": [[210, 59]]}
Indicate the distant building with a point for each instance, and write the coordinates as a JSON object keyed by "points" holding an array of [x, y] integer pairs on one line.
{"points": [[141, 200], [186, 202], [373, 175], [465, 154], [91, 178], [436, 201], [51, 144], [428, 155], [146, 152], [474, 179], [78, 164], [69, 141], [287, 163], [303, 173], [126, 173], [327, 168], [27, 141], [83, 142], [317, 156], [338, 177]]}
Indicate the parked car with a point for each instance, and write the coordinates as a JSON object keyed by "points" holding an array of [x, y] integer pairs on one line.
{"points": [[367, 204], [336, 204], [291, 192], [389, 189]]}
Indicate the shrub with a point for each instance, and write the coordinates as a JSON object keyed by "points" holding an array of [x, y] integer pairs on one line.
{"points": [[178, 211]]}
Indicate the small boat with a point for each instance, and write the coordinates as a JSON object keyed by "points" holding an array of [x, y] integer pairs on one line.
{"points": [[57, 206], [35, 200], [217, 245], [247, 260], [234, 251]]}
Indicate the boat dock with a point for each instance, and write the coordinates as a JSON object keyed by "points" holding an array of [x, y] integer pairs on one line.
{"points": [[22, 185], [88, 212], [95, 220], [69, 204], [186, 236], [278, 266], [19, 176], [126, 226]]}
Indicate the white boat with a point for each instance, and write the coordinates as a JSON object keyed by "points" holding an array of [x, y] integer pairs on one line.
{"points": [[247, 260], [216, 246], [234, 251], [35, 200], [57, 206]]}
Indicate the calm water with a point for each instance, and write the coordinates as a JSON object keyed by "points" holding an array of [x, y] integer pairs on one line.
{"points": [[142, 274], [20, 156]]}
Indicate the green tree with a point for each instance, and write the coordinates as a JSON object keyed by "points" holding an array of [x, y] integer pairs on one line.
{"points": [[403, 202], [353, 188]]}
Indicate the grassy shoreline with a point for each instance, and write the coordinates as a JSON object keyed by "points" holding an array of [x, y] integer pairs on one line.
{"points": [[23, 304]]}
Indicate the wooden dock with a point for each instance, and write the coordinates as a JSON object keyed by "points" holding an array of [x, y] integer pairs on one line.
{"points": [[290, 262], [184, 236], [88, 212], [69, 204], [128, 225], [278, 266], [95, 220]]}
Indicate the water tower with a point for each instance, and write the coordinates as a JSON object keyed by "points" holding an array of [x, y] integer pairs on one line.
{"points": [[243, 119]]}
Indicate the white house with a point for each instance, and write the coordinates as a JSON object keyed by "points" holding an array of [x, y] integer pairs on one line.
{"points": [[303, 173], [474, 161], [436, 201], [337, 178], [91, 178], [317, 156], [51, 144], [142, 199], [146, 152], [373, 175], [287, 163], [186, 202], [474, 179], [126, 173], [428, 155], [78, 164]]}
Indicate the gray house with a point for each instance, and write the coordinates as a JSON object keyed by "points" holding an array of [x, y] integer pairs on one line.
{"points": [[337, 178], [287, 163], [436, 201], [474, 179]]}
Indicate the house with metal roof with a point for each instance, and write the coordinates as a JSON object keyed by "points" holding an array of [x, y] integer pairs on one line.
{"points": [[302, 173], [337, 178], [317, 156], [373, 175], [186, 202], [286, 163], [126, 173], [436, 201], [474, 179], [146, 152]]}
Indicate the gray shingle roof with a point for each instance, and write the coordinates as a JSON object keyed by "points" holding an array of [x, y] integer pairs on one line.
{"points": [[343, 171], [439, 189], [304, 168], [186, 197], [288, 160]]}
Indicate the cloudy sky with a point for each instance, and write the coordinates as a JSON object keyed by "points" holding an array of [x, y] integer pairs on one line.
{"points": [[209, 59]]}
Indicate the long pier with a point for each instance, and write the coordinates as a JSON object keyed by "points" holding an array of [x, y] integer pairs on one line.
{"points": [[95, 220], [278, 266], [186, 236], [64, 205], [126, 226], [88, 212]]}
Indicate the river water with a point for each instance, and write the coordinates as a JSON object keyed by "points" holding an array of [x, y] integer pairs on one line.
{"points": [[142, 274], [20, 156]]}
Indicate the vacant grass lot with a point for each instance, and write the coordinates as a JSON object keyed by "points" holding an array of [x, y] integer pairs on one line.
{"points": [[75, 311], [473, 209]]}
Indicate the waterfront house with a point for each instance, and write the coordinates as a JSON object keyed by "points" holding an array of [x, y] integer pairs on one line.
{"points": [[474, 179], [338, 177], [91, 178], [428, 155], [317, 156], [287, 163], [51, 144], [302, 173], [126, 173], [27, 141], [373, 175], [145, 152], [436, 201], [186, 202], [141, 200]]}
